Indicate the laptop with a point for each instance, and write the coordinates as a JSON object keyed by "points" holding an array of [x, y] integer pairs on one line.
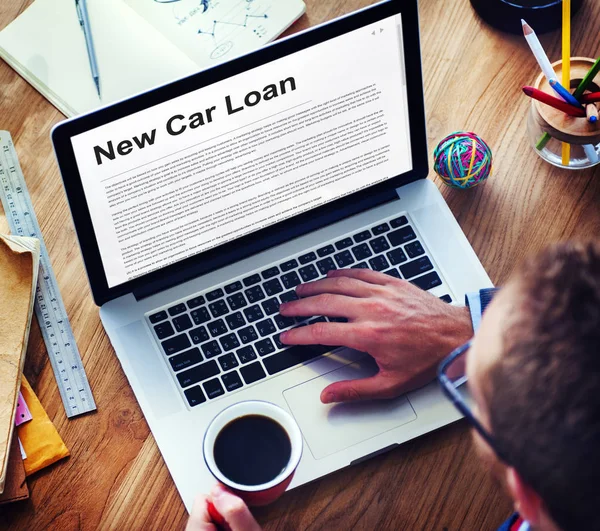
{"points": [[200, 205]]}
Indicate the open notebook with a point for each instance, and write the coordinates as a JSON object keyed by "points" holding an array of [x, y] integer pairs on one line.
{"points": [[139, 44]]}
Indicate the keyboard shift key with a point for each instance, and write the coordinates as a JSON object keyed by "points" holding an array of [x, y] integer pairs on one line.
{"points": [[177, 309], [157, 317], [428, 281], [195, 302], [213, 388], [185, 359], [199, 373], [194, 396], [414, 249], [182, 323], [211, 349], [232, 381], [214, 294], [398, 222], [416, 267], [253, 372], [228, 361], [289, 265], [401, 236], [176, 344], [163, 330], [199, 335], [246, 354], [325, 265], [200, 316], [271, 306], [308, 273]]}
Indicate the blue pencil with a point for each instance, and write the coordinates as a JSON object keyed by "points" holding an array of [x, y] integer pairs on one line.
{"points": [[564, 93]]}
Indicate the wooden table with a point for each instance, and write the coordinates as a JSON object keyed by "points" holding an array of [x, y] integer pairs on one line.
{"points": [[116, 478]]}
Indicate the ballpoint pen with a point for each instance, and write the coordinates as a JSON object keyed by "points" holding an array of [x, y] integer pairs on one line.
{"points": [[84, 20]]}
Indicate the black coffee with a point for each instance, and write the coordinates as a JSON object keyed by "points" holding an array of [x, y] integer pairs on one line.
{"points": [[252, 450]]}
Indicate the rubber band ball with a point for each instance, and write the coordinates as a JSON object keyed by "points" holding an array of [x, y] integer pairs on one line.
{"points": [[463, 160]]}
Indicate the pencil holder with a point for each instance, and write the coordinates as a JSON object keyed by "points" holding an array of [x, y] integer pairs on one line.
{"points": [[548, 128]]}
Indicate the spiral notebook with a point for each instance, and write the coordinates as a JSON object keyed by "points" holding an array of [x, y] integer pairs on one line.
{"points": [[139, 44]]}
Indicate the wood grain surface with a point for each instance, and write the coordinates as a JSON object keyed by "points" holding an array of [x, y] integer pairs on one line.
{"points": [[115, 477]]}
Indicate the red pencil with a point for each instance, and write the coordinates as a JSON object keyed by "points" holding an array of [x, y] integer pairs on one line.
{"points": [[590, 98], [544, 97]]}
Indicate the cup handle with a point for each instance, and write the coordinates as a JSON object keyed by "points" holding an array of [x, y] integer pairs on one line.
{"points": [[217, 518]]}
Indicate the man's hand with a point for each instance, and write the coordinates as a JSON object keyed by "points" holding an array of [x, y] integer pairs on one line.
{"points": [[230, 507], [406, 330]]}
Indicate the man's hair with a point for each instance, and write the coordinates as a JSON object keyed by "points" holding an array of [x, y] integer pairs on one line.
{"points": [[544, 399]]}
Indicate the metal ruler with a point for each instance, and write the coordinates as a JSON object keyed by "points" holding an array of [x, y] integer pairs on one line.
{"points": [[49, 307]]}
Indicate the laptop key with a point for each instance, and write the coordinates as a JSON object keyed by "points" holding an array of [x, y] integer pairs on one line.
{"points": [[229, 342], [270, 273], [289, 296], [255, 294], [265, 346], [177, 309], [194, 396], [246, 354], [290, 280], [185, 359], [228, 361], [251, 280], [199, 373], [232, 381], [362, 251], [236, 301], [398, 222], [416, 267], [213, 388], [183, 322], [195, 302], [379, 244], [199, 335], [397, 256], [217, 327], [325, 265], [362, 236], [343, 244], [317, 320], [294, 356], [344, 259], [235, 320], [337, 319], [271, 306], [276, 339], [400, 236], [218, 308], [163, 330], [211, 349], [414, 249], [247, 335], [233, 287], [266, 327], [253, 372], [360, 265], [380, 229], [283, 322], [379, 263], [157, 317], [176, 344], [428, 281], [200, 316], [446, 298], [306, 258], [324, 251], [393, 273], [254, 313], [289, 265], [308, 273], [214, 294]]}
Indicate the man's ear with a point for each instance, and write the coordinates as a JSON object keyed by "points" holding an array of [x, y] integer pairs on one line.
{"points": [[527, 502]]}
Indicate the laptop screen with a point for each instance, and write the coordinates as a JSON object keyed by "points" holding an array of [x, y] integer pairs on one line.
{"points": [[210, 166]]}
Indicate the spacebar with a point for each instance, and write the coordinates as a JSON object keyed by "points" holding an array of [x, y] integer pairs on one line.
{"points": [[293, 356]]}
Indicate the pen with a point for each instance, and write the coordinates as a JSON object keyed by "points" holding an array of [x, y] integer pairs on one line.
{"points": [[84, 20]]}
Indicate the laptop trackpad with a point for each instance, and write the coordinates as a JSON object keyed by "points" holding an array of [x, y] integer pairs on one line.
{"points": [[330, 428]]}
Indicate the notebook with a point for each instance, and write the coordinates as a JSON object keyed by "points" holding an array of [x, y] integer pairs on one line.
{"points": [[139, 44]]}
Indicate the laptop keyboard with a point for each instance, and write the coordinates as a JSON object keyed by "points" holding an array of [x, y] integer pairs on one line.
{"points": [[227, 337]]}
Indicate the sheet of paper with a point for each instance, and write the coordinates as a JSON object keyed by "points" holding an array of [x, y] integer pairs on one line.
{"points": [[46, 45], [212, 31]]}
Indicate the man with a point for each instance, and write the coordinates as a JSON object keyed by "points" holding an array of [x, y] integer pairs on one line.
{"points": [[533, 372]]}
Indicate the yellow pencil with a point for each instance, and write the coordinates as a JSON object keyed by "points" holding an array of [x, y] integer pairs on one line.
{"points": [[566, 65]]}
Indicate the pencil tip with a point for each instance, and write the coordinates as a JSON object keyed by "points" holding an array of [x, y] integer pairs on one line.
{"points": [[527, 29]]}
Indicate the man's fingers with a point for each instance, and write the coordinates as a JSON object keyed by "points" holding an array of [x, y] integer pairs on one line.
{"points": [[375, 387], [340, 285], [324, 304], [199, 518], [366, 275], [233, 509], [330, 334]]}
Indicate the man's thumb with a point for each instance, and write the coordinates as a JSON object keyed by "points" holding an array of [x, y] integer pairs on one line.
{"points": [[364, 389]]}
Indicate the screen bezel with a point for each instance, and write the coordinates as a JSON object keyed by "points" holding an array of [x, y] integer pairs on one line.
{"points": [[275, 234]]}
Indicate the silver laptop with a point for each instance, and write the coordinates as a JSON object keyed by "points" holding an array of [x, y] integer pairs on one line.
{"points": [[202, 204]]}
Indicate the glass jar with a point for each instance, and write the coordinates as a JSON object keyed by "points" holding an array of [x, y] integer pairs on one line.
{"points": [[548, 128]]}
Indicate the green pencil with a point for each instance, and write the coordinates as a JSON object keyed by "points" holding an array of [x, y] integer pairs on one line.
{"points": [[589, 77]]}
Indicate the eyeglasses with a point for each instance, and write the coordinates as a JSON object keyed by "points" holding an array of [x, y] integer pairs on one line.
{"points": [[453, 379]]}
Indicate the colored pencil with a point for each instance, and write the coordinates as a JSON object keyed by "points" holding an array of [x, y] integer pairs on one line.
{"points": [[585, 82], [591, 112], [566, 65], [592, 97], [546, 98], [538, 51], [564, 93]]}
